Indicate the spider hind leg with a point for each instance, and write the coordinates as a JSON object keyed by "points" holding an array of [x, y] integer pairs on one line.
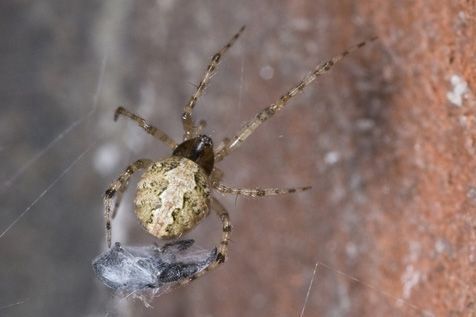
{"points": [[222, 250]]}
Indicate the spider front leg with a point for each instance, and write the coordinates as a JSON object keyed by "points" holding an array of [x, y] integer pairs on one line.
{"points": [[222, 250], [229, 145], [187, 120], [155, 132], [258, 192], [117, 188]]}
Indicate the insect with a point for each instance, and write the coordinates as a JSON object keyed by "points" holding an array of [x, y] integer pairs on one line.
{"points": [[146, 272], [175, 193]]}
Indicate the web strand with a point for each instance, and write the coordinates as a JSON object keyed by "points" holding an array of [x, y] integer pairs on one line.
{"points": [[21, 302], [47, 189], [12, 179], [397, 299], [314, 276]]}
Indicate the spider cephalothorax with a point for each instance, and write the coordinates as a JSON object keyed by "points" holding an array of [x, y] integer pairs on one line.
{"points": [[199, 150], [174, 194]]}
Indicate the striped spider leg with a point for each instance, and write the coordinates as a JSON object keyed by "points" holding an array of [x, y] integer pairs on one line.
{"points": [[229, 145], [190, 130], [117, 189]]}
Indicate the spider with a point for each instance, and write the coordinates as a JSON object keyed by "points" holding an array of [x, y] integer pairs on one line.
{"points": [[174, 194]]}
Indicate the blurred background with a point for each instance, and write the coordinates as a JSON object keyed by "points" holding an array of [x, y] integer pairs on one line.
{"points": [[386, 139]]}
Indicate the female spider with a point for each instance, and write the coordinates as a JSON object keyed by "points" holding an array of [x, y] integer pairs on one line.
{"points": [[174, 194]]}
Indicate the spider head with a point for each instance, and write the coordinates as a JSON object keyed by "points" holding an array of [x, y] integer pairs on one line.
{"points": [[199, 150]]}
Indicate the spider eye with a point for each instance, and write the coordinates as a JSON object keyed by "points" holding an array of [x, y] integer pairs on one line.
{"points": [[205, 140]]}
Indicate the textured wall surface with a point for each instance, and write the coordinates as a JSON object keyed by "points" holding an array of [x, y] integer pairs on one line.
{"points": [[387, 139]]}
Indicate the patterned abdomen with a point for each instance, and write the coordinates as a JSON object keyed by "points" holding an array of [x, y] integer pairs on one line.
{"points": [[173, 195]]}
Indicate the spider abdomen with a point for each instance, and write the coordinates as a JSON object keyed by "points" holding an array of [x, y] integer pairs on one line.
{"points": [[173, 195]]}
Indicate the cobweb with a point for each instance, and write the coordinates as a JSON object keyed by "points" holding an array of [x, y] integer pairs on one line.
{"points": [[60, 149]]}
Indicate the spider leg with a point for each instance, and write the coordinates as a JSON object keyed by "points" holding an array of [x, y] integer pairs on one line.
{"points": [[223, 248], [201, 125], [155, 132], [227, 146], [226, 232], [117, 188], [217, 175], [187, 120], [258, 192]]}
